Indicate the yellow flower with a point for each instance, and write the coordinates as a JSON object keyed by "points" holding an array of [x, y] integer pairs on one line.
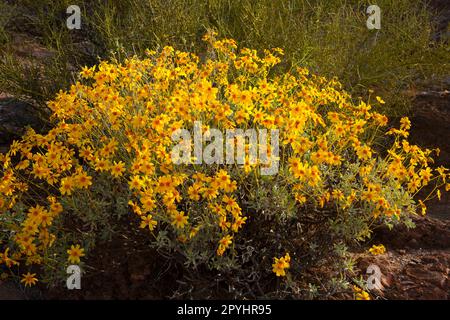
{"points": [[299, 169], [86, 153], [314, 176], [41, 171], [224, 243], [135, 183], [210, 193], [280, 265], [194, 191], [363, 152], [230, 203], [223, 179], [6, 260], [117, 169], [45, 219], [300, 198], [101, 164], [360, 294], [369, 195], [377, 249], [75, 253], [36, 212], [179, 220], [165, 184], [413, 185], [405, 124], [29, 279], [426, 175], [135, 207], [147, 221], [238, 223], [148, 203], [22, 165], [55, 208], [230, 187], [83, 180], [147, 168], [223, 223], [380, 100], [87, 72], [194, 232], [423, 207], [67, 186]]}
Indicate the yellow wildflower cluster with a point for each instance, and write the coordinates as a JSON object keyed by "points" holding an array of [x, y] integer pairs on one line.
{"points": [[281, 264], [360, 294], [377, 249], [29, 279], [114, 129], [75, 253]]}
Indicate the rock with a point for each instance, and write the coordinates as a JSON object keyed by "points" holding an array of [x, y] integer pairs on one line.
{"points": [[429, 260], [437, 294], [15, 116], [429, 233], [27, 47], [386, 280], [413, 243]]}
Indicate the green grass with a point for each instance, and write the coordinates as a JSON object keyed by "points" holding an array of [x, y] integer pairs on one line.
{"points": [[328, 36]]}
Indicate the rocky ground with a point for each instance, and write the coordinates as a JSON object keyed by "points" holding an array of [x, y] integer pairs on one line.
{"points": [[417, 262]]}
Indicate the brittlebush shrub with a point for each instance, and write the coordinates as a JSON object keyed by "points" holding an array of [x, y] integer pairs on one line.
{"points": [[107, 162]]}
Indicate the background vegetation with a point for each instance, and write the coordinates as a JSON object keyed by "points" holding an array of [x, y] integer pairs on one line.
{"points": [[329, 37]]}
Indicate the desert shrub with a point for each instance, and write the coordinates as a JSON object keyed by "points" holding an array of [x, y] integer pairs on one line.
{"points": [[108, 163]]}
